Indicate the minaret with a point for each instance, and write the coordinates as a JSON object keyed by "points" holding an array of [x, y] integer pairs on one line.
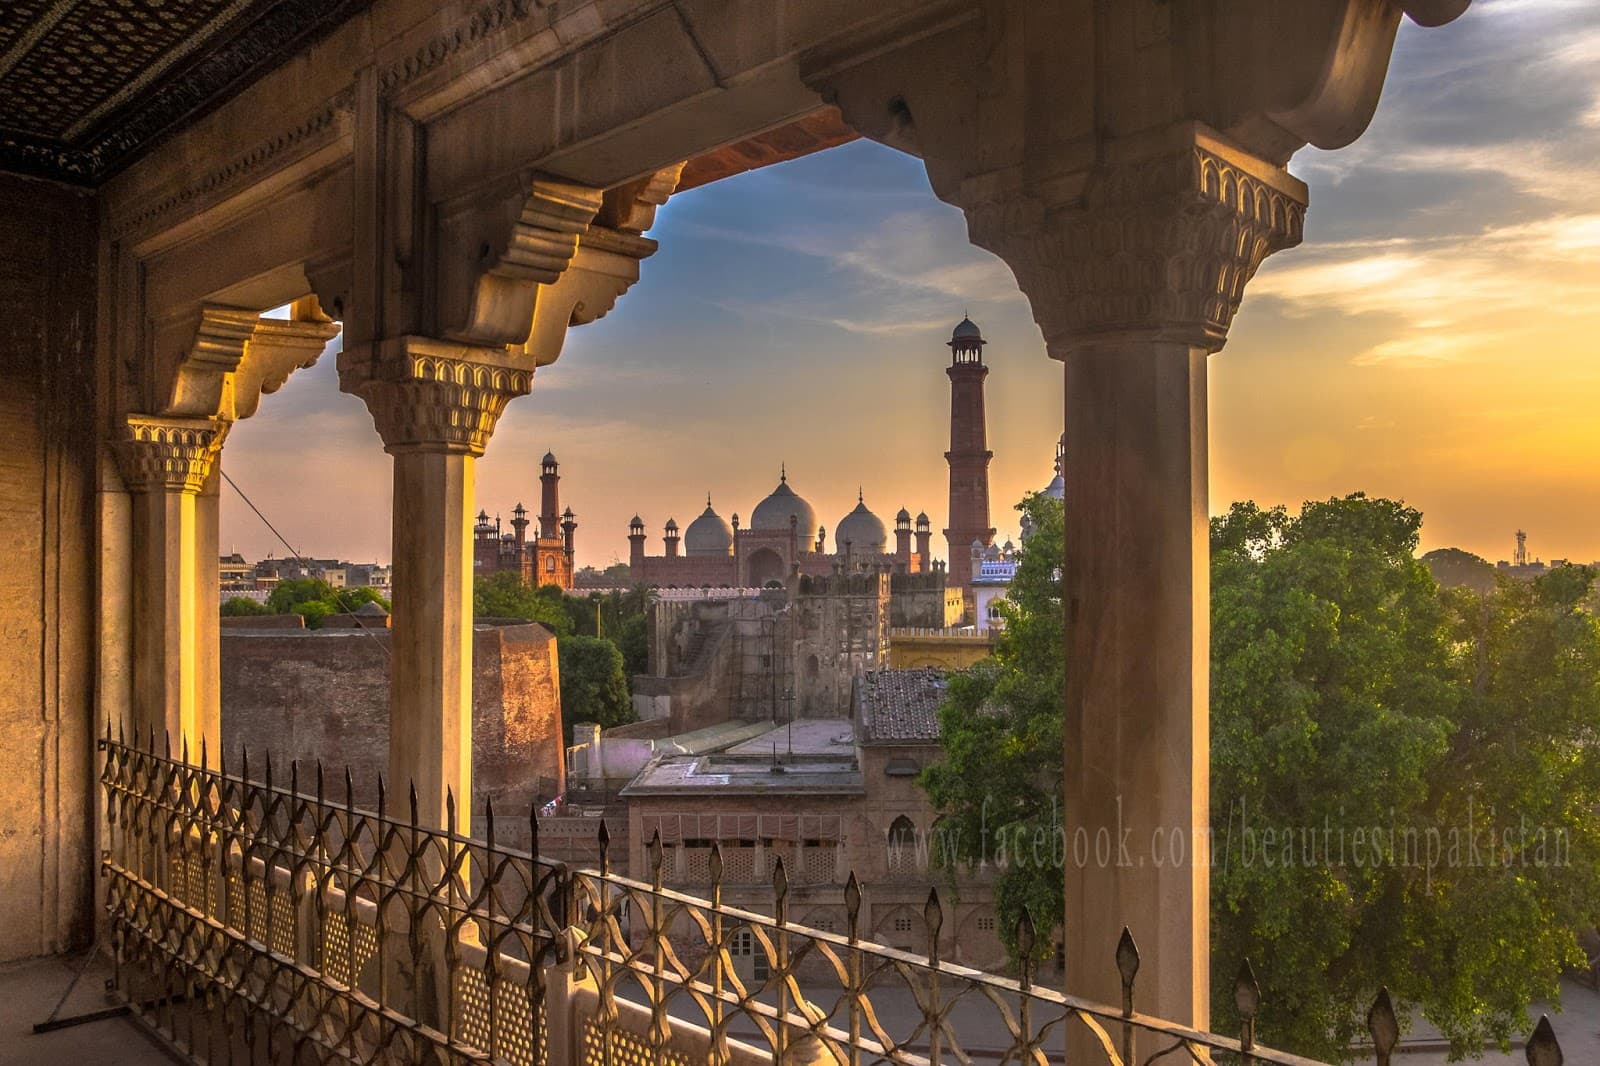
{"points": [[924, 543], [519, 523], [969, 453], [672, 538], [549, 498], [569, 526], [636, 548], [902, 540]]}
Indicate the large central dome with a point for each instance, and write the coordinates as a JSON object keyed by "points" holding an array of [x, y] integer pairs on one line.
{"points": [[708, 534], [774, 512], [862, 530]]}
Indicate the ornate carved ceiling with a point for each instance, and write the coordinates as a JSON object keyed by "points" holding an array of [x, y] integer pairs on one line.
{"points": [[85, 85]]}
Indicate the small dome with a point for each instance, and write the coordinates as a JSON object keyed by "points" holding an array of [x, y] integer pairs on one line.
{"points": [[637, 522], [774, 512], [1057, 489], [549, 459], [708, 534], [966, 330], [902, 515], [922, 518], [672, 525], [861, 529]]}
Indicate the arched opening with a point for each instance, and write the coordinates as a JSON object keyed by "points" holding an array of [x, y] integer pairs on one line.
{"points": [[762, 567], [903, 852]]}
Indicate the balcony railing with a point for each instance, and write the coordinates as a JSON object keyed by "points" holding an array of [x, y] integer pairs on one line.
{"points": [[253, 922]]}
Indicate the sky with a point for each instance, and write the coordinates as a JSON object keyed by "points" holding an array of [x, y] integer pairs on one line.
{"points": [[1436, 339]]}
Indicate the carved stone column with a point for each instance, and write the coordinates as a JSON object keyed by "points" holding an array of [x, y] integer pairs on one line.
{"points": [[170, 461], [1135, 281], [165, 463], [208, 608], [435, 405]]}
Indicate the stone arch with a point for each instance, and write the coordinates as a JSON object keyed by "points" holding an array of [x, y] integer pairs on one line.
{"points": [[762, 566], [902, 927], [901, 844]]}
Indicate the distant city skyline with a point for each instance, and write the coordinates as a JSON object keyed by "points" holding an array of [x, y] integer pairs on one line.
{"points": [[1433, 340]]}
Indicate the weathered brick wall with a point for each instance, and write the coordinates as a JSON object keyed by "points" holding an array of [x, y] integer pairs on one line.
{"points": [[47, 419], [324, 694]]}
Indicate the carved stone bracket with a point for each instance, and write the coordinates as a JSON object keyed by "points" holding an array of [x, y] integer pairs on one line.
{"points": [[531, 249], [237, 355], [158, 454], [205, 373], [276, 350], [631, 208], [1161, 244], [428, 395], [606, 264]]}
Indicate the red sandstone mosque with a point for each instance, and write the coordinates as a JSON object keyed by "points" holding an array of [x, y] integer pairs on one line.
{"points": [[783, 536], [545, 558]]}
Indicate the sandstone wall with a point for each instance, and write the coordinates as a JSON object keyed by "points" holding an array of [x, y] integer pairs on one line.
{"points": [[47, 488], [324, 694]]}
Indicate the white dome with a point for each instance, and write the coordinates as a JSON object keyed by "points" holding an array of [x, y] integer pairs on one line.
{"points": [[966, 330], [862, 530], [774, 512], [708, 534]]}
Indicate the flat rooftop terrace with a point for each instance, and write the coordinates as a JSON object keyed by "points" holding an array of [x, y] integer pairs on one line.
{"points": [[807, 756]]}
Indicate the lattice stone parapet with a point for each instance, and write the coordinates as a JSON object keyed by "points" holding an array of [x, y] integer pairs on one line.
{"points": [[1162, 244], [428, 395], [169, 454]]}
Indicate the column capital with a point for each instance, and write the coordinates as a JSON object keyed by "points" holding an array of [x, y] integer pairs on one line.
{"points": [[165, 454], [435, 396], [1158, 240]]}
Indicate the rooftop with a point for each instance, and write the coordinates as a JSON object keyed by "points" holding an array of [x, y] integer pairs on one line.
{"points": [[810, 755], [897, 706]]}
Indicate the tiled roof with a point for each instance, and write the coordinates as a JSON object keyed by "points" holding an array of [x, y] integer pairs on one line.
{"points": [[900, 705]]}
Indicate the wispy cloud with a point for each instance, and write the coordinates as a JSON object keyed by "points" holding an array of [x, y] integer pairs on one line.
{"points": [[1448, 297]]}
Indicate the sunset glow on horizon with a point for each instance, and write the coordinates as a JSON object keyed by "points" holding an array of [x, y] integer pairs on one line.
{"points": [[1434, 339]]}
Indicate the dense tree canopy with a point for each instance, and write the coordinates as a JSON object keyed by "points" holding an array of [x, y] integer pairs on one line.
{"points": [[593, 685], [243, 607], [315, 599], [1454, 568], [999, 785], [1404, 779], [503, 595]]}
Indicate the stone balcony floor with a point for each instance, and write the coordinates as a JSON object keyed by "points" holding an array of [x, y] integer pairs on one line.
{"points": [[28, 992]]}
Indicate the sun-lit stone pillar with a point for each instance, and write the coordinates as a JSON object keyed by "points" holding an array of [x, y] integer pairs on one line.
{"points": [[1134, 284], [208, 609], [166, 463], [435, 405]]}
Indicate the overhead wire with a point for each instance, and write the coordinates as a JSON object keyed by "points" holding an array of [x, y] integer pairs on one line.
{"points": [[294, 553]]}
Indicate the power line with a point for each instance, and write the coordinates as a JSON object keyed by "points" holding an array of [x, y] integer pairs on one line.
{"points": [[301, 559]]}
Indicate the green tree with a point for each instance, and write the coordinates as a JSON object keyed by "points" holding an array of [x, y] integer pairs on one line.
{"points": [[1454, 568], [998, 788], [287, 593], [1424, 759], [1350, 695], [593, 685], [503, 595], [243, 607], [314, 599], [1330, 702]]}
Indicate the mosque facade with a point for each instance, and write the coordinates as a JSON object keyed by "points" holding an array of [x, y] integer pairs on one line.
{"points": [[543, 558], [782, 539]]}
